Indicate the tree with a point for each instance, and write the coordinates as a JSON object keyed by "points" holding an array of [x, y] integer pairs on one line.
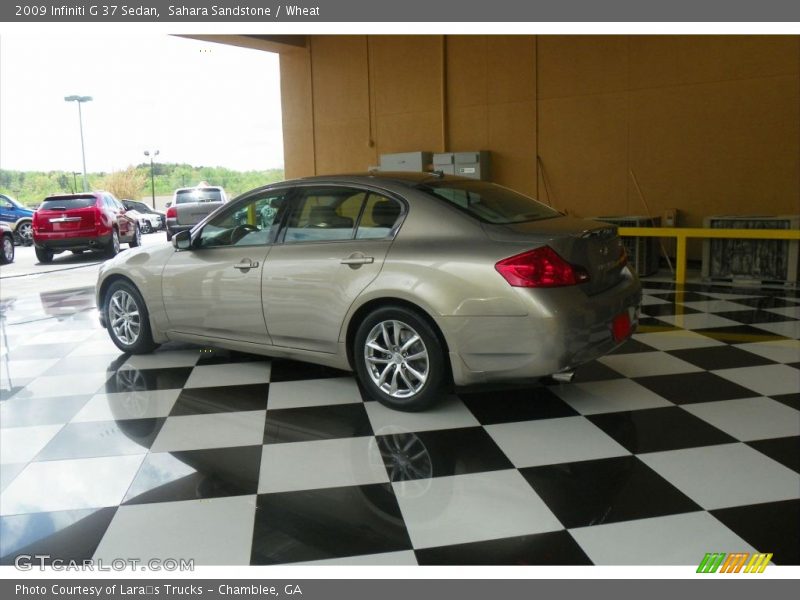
{"points": [[125, 184]]}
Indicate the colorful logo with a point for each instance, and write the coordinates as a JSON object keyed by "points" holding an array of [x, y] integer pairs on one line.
{"points": [[734, 562]]}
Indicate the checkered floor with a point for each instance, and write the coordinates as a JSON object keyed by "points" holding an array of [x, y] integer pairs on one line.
{"points": [[684, 441]]}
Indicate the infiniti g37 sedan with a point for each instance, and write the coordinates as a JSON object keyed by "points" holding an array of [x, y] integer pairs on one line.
{"points": [[418, 282]]}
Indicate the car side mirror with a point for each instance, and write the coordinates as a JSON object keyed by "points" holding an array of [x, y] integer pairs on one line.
{"points": [[182, 240], [168, 204]]}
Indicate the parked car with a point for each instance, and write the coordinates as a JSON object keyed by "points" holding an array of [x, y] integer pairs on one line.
{"points": [[153, 220], [80, 222], [190, 205], [18, 218], [148, 223], [7, 255], [417, 282]]}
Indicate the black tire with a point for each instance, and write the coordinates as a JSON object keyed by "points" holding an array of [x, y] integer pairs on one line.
{"points": [[44, 255], [113, 244], [7, 254], [24, 233], [140, 343], [137, 238], [406, 397]]}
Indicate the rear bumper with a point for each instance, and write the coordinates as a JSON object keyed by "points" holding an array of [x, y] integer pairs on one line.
{"points": [[58, 242], [563, 329], [173, 227]]}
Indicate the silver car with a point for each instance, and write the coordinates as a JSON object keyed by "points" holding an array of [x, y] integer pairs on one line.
{"points": [[417, 282]]}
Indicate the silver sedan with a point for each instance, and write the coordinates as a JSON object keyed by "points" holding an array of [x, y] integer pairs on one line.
{"points": [[417, 282]]}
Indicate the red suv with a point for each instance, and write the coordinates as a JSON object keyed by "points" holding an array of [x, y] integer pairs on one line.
{"points": [[78, 222]]}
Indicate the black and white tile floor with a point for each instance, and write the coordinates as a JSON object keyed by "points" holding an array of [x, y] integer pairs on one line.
{"points": [[684, 441]]}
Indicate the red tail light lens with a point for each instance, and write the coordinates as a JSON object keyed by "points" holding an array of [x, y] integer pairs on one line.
{"points": [[172, 212], [542, 267]]}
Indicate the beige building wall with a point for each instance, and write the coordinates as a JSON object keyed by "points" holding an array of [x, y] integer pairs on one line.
{"points": [[705, 124]]}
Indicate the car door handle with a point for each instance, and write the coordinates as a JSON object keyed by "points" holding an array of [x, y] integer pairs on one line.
{"points": [[358, 259], [246, 265]]}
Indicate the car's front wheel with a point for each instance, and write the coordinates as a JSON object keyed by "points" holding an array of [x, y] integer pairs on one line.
{"points": [[7, 255], [399, 359], [127, 319]]}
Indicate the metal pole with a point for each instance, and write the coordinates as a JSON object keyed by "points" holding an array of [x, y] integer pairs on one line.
{"points": [[83, 151], [152, 182]]}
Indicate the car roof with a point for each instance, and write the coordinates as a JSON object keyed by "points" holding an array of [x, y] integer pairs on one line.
{"points": [[409, 179], [94, 194], [202, 187]]}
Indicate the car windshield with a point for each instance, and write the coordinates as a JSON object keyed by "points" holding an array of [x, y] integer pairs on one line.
{"points": [[198, 195], [488, 202], [68, 202]]}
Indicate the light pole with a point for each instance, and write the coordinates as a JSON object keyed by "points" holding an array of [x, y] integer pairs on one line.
{"points": [[152, 178], [80, 100]]}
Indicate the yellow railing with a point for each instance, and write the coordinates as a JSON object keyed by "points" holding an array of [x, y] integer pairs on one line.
{"points": [[681, 234]]}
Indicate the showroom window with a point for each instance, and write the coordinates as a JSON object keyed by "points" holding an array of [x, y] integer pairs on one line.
{"points": [[247, 224]]}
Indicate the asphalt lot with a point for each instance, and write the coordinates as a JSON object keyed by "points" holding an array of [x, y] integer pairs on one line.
{"points": [[67, 271]]}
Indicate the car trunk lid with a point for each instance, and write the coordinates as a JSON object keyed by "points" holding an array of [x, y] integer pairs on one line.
{"points": [[67, 214], [592, 245]]}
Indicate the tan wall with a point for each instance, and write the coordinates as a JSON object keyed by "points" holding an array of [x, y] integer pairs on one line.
{"points": [[707, 124]]}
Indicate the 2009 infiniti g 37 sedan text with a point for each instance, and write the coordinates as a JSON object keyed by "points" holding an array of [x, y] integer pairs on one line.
{"points": [[417, 282]]}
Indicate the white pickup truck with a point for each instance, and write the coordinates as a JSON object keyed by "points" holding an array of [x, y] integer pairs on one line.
{"points": [[190, 205]]}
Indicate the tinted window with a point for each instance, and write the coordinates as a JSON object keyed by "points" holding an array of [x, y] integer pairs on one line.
{"points": [[68, 202], [379, 217], [136, 206], [489, 202], [248, 224], [324, 214], [198, 195]]}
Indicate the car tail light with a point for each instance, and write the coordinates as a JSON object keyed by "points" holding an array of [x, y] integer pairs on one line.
{"points": [[172, 212], [542, 267]]}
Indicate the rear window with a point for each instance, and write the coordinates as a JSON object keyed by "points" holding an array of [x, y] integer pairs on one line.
{"points": [[198, 195], [68, 203], [488, 202]]}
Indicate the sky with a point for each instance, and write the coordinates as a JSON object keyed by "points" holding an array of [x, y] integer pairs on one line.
{"points": [[195, 102]]}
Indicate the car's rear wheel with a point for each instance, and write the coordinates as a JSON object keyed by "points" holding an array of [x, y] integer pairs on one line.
{"points": [[137, 238], [7, 255], [44, 255], [113, 245], [127, 319], [399, 359], [24, 233]]}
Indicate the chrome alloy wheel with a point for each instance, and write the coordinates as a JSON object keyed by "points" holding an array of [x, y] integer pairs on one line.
{"points": [[396, 359], [123, 317], [8, 248]]}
